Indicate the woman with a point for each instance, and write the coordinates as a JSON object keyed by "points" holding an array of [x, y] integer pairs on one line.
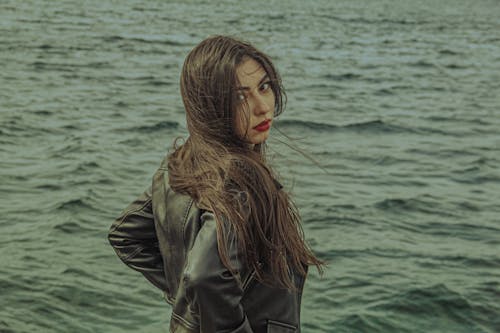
{"points": [[215, 231]]}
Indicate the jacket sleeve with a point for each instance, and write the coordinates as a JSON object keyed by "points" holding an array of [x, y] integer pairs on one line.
{"points": [[133, 237], [210, 288]]}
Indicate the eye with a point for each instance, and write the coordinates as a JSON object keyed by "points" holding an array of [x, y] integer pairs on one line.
{"points": [[241, 97], [265, 86]]}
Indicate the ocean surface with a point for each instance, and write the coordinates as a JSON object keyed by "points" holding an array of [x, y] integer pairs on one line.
{"points": [[397, 102]]}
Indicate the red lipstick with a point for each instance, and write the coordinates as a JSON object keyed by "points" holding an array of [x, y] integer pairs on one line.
{"points": [[263, 126]]}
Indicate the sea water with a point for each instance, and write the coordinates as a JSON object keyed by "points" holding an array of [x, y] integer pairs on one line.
{"points": [[393, 104]]}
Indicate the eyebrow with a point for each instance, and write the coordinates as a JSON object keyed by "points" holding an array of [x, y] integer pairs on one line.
{"points": [[264, 78]]}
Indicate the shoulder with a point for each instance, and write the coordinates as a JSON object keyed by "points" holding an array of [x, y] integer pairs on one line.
{"points": [[169, 206]]}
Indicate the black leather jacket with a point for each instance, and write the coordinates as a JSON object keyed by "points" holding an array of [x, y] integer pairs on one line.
{"points": [[173, 243]]}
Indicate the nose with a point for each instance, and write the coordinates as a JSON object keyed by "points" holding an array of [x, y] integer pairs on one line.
{"points": [[261, 105]]}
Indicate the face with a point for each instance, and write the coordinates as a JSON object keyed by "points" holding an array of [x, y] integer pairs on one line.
{"points": [[255, 102]]}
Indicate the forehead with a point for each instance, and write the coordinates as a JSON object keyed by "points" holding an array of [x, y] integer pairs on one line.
{"points": [[250, 72]]}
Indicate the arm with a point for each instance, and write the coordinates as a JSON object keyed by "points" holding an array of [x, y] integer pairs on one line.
{"points": [[210, 287], [133, 237]]}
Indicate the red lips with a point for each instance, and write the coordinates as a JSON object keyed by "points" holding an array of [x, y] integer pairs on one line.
{"points": [[263, 126]]}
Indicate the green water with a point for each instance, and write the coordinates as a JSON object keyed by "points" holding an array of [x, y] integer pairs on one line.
{"points": [[397, 100]]}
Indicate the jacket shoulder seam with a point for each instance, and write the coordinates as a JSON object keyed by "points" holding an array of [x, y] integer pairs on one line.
{"points": [[129, 212]]}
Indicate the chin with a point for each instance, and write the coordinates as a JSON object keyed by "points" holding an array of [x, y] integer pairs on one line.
{"points": [[258, 139]]}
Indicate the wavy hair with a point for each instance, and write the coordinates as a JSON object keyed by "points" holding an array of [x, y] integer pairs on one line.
{"points": [[224, 175]]}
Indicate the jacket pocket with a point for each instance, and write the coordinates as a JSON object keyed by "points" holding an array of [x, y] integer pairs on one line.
{"points": [[274, 326]]}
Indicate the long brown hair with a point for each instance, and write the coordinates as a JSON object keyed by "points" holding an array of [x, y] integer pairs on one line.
{"points": [[224, 175]]}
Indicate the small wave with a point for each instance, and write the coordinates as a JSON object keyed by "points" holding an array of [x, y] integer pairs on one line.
{"points": [[394, 89], [146, 39], [389, 204], [73, 205], [112, 39], [143, 9], [342, 77], [436, 306], [483, 262], [345, 220], [467, 206], [86, 167], [341, 206], [377, 22], [371, 126], [162, 125], [384, 92], [68, 67], [468, 231], [144, 78], [45, 46], [431, 301], [49, 187], [443, 153], [377, 126], [397, 205], [456, 66], [421, 64], [475, 174], [42, 112], [157, 83], [364, 323], [70, 145], [319, 222], [305, 124], [438, 119], [71, 127], [132, 142], [122, 105], [45, 66], [276, 17], [449, 52], [78, 273], [4, 327], [316, 58], [69, 228], [491, 288], [19, 128]]}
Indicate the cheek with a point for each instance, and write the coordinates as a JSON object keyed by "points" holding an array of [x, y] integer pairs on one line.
{"points": [[271, 101]]}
